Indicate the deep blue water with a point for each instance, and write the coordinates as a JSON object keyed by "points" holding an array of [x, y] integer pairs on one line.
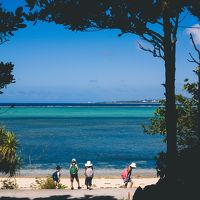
{"points": [[109, 136]]}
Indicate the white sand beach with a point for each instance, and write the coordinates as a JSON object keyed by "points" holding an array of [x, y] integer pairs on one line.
{"points": [[98, 183]]}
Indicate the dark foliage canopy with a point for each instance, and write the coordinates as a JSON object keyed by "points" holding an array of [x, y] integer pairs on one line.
{"points": [[128, 16], [6, 76], [141, 17], [10, 22]]}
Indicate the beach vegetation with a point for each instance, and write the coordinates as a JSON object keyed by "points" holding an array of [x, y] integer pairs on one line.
{"points": [[156, 22], [47, 183], [9, 184], [10, 22], [10, 161], [187, 125], [188, 118]]}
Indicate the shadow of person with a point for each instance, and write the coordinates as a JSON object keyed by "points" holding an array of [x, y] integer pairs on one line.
{"points": [[63, 197], [13, 198]]}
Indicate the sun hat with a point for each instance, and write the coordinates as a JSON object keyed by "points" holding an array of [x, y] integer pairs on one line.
{"points": [[133, 165], [88, 164], [73, 160]]}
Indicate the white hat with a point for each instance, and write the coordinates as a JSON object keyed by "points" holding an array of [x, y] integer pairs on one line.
{"points": [[73, 160], [88, 164], [133, 165]]}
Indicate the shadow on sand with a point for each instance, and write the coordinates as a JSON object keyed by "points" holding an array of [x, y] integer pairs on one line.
{"points": [[63, 197]]}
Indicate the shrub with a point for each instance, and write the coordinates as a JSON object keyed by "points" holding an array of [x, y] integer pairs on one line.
{"points": [[47, 183], [10, 161], [9, 184]]}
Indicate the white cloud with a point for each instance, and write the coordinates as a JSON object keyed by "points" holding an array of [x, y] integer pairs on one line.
{"points": [[195, 31]]}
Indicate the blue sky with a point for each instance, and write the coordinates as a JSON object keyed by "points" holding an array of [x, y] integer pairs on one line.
{"points": [[53, 64]]}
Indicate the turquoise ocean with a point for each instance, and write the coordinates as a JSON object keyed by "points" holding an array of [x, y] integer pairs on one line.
{"points": [[110, 135]]}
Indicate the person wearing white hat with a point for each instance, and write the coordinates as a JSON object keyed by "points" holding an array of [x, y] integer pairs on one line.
{"points": [[128, 174], [133, 165], [89, 174], [73, 169]]}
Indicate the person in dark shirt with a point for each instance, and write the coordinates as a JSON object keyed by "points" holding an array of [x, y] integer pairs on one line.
{"points": [[56, 176]]}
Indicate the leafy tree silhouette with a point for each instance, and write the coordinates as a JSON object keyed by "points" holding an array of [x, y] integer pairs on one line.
{"points": [[10, 162], [187, 128], [155, 21], [9, 23], [6, 76], [197, 72]]}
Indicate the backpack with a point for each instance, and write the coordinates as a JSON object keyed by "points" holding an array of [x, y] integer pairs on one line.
{"points": [[89, 172], [124, 173], [55, 176], [73, 169]]}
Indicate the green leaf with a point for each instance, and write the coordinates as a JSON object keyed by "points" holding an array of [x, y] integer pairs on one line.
{"points": [[11, 33], [21, 25], [19, 11]]}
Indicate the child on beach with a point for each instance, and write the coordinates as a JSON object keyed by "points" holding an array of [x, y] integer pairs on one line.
{"points": [[56, 176], [126, 174], [89, 173], [73, 169]]}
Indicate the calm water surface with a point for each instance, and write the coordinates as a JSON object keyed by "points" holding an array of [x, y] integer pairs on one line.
{"points": [[109, 136]]}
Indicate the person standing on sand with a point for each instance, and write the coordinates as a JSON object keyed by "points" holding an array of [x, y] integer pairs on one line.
{"points": [[126, 174], [56, 176], [73, 169], [89, 174]]}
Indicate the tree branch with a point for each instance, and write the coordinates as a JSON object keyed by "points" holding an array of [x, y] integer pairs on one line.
{"points": [[156, 51], [153, 41], [195, 47], [2, 41], [160, 23], [193, 60], [183, 18], [155, 35]]}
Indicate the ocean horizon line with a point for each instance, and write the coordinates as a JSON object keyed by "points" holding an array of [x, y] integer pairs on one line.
{"points": [[95, 104]]}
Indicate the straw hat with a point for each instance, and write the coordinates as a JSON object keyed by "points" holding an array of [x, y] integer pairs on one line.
{"points": [[133, 165], [88, 164]]}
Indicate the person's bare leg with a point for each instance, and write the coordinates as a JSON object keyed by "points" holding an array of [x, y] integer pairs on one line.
{"points": [[78, 183], [72, 185], [131, 184], [56, 185]]}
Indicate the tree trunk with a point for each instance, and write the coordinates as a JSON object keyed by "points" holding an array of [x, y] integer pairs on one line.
{"points": [[171, 114], [198, 104]]}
